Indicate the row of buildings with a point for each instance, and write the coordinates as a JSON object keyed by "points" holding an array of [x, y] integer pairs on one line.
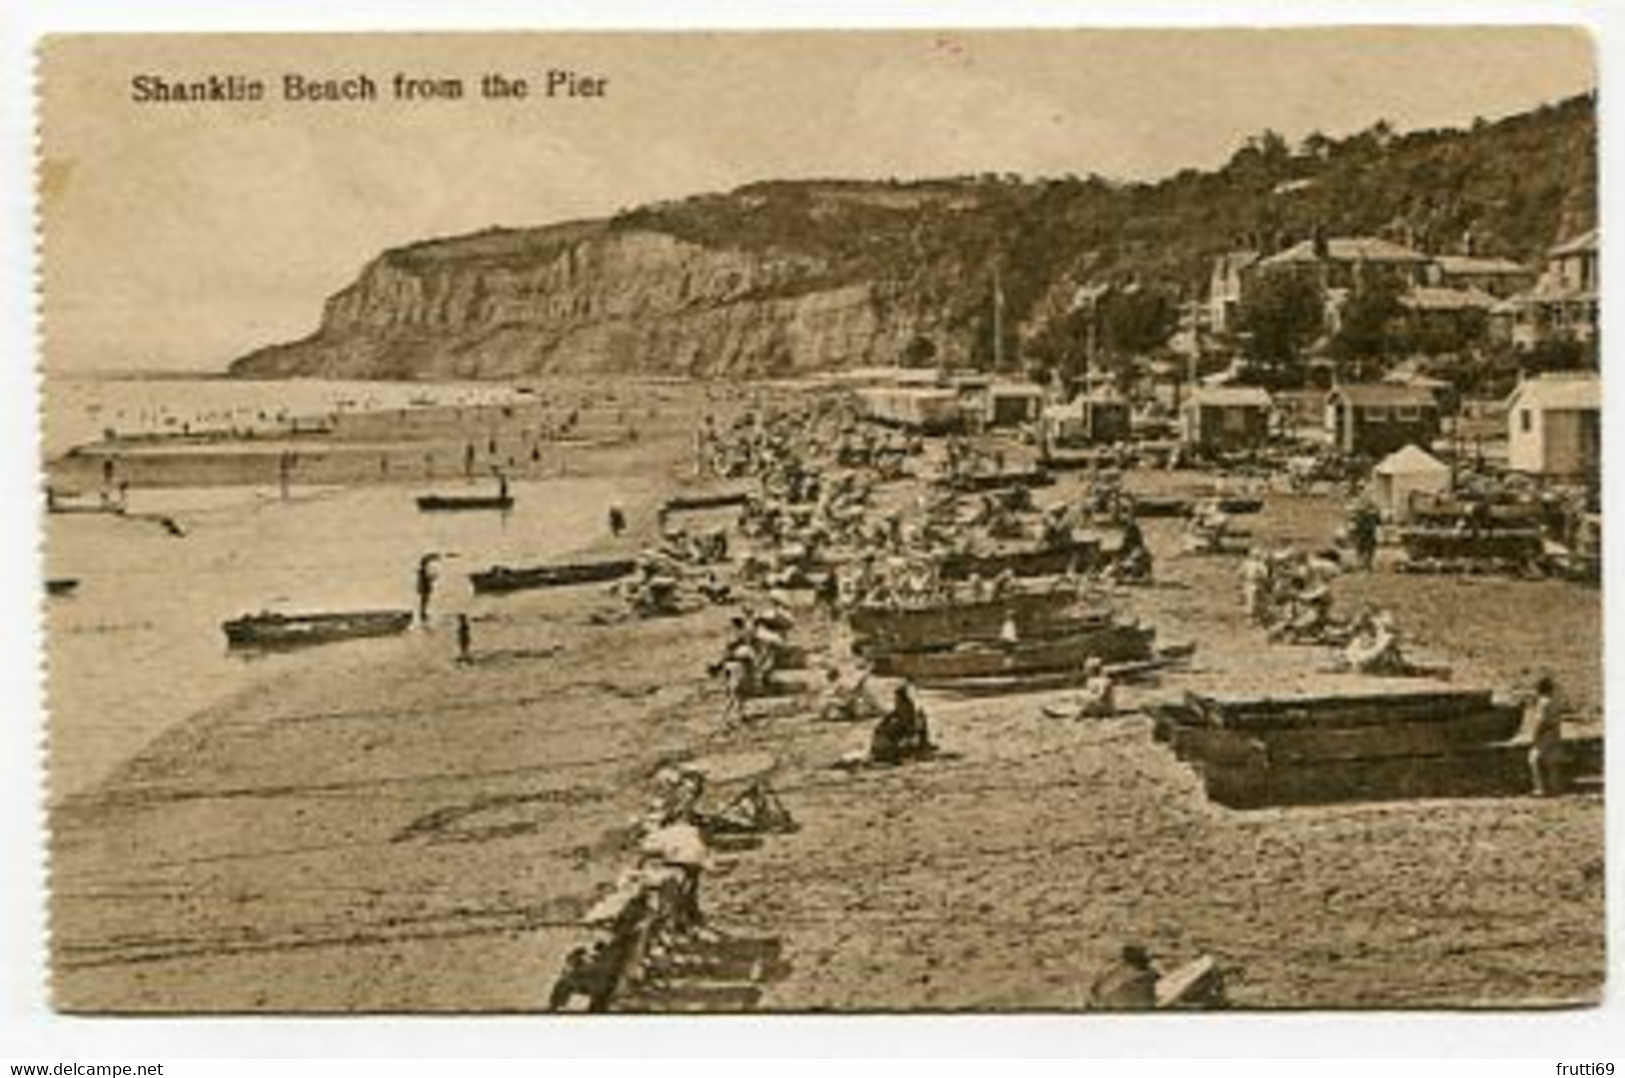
{"points": [[1554, 422], [1519, 305]]}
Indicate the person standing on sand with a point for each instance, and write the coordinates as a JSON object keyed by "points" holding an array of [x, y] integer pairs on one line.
{"points": [[465, 640], [425, 582], [617, 521], [1546, 741]]}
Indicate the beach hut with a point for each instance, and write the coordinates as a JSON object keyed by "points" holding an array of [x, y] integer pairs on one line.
{"points": [[1377, 418], [1555, 426], [1011, 404], [1099, 416], [1225, 418], [1404, 473]]}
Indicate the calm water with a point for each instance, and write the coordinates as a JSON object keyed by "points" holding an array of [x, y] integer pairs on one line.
{"points": [[139, 645], [81, 409]]}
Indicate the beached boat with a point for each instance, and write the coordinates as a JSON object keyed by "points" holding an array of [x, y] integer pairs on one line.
{"points": [[924, 626], [1067, 623], [500, 579], [1239, 505], [1281, 744], [60, 503], [1054, 681], [1079, 556], [693, 502], [1352, 701], [1371, 741], [979, 482], [1497, 769], [1161, 505], [1107, 642], [62, 585], [442, 503], [1453, 549], [267, 630]]}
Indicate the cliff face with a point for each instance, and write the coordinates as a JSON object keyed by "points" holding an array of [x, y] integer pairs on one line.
{"points": [[614, 300], [787, 277]]}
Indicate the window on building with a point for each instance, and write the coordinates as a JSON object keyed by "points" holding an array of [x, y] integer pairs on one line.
{"points": [[1526, 421]]}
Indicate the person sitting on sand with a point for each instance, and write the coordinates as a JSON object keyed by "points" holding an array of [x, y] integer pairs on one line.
{"points": [[589, 970], [1129, 985], [1098, 699], [1375, 647], [902, 734]]}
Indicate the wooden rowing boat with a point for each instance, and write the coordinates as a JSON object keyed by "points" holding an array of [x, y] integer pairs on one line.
{"points": [[980, 482], [62, 585], [1107, 642], [690, 502], [1079, 556], [450, 503], [1067, 623], [1522, 545], [924, 626], [1165, 505], [266, 630], [1239, 505], [1381, 703], [1195, 741], [1490, 770], [1057, 680], [501, 579]]}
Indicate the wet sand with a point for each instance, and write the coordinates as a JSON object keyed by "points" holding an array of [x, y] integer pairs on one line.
{"points": [[417, 836]]}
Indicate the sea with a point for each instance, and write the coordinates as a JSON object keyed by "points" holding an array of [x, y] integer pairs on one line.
{"points": [[138, 645]]}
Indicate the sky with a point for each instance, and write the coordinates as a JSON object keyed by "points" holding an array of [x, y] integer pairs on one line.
{"points": [[180, 236]]}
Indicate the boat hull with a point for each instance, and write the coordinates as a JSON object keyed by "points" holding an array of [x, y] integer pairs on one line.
{"points": [[500, 579], [1108, 643], [452, 503], [908, 628], [278, 631], [1078, 557]]}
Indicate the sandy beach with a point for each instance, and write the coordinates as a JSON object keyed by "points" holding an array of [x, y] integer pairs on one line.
{"points": [[410, 834]]}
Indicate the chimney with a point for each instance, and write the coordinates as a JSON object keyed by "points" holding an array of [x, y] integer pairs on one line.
{"points": [[1323, 249], [1469, 244]]}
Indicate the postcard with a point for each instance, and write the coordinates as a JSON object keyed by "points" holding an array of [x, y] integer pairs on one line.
{"points": [[823, 521]]}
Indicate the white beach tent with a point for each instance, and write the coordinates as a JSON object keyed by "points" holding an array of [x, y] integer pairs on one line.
{"points": [[1405, 472]]}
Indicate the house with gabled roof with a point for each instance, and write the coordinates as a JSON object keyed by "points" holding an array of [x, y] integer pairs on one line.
{"points": [[1374, 419], [1554, 426]]}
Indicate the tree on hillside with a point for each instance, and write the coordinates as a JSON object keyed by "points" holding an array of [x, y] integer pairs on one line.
{"points": [[1369, 332], [1280, 315], [1134, 322]]}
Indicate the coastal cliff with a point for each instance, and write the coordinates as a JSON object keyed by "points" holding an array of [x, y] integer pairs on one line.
{"points": [[788, 277], [592, 298]]}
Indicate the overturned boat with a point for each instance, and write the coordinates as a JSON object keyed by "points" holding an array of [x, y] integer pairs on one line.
{"points": [[501, 579], [267, 630]]}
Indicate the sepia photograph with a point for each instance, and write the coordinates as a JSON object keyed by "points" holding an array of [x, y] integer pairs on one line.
{"points": [[914, 521]]}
